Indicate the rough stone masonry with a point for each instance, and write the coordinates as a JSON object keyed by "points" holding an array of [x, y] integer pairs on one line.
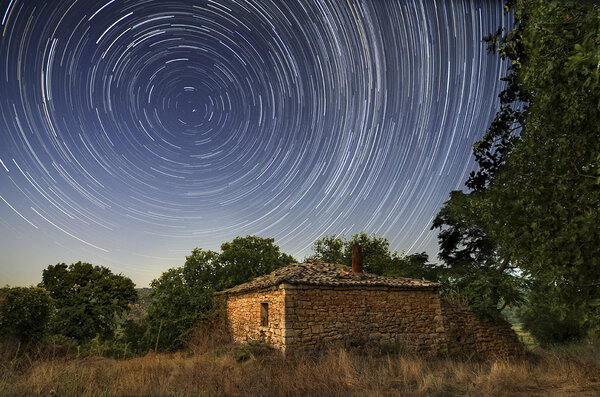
{"points": [[315, 304]]}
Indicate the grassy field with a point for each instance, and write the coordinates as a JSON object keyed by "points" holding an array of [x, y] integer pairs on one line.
{"points": [[524, 336], [253, 370]]}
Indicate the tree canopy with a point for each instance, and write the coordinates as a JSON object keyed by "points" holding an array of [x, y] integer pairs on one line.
{"points": [[474, 268], [535, 199], [377, 257], [248, 257], [87, 298], [25, 313]]}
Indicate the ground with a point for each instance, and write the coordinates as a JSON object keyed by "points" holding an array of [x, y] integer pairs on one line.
{"points": [[207, 369]]}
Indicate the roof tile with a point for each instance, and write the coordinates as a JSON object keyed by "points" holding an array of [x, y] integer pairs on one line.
{"points": [[315, 272]]}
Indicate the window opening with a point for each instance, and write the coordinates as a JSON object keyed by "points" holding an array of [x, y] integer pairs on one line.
{"points": [[264, 314]]}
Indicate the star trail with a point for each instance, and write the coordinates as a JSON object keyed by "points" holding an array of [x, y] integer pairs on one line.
{"points": [[133, 131]]}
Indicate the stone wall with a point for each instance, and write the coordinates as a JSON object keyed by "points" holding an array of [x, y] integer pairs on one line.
{"points": [[318, 316], [308, 317], [467, 333], [244, 316]]}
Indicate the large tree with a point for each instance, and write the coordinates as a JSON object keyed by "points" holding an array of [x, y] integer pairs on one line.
{"points": [[88, 299], [544, 206], [248, 257], [25, 313], [536, 194]]}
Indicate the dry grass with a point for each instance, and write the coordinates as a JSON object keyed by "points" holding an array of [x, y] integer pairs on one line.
{"points": [[219, 371]]}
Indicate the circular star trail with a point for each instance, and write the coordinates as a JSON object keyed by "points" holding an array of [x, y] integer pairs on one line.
{"points": [[134, 131]]}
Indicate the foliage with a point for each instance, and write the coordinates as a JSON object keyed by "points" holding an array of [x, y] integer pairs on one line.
{"points": [[546, 323], [88, 299], [25, 313], [248, 257], [413, 266], [377, 257], [170, 314], [132, 335], [543, 207], [474, 268], [491, 150], [332, 249], [183, 296], [536, 194]]}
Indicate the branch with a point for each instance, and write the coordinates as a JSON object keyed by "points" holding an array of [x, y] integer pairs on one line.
{"points": [[504, 264], [503, 306], [597, 283]]}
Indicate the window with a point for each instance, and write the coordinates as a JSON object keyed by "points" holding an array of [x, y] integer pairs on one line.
{"points": [[264, 314]]}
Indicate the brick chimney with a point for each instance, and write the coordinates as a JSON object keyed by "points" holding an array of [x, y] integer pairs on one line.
{"points": [[357, 258]]}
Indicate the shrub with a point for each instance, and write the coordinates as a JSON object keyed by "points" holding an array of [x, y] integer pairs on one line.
{"points": [[25, 313]]}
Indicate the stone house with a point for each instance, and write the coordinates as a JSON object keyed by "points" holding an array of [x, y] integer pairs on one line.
{"points": [[317, 304]]}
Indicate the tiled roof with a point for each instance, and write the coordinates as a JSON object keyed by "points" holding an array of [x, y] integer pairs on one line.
{"points": [[314, 272]]}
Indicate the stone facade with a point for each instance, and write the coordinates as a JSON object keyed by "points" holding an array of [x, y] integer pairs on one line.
{"points": [[246, 322], [364, 309], [323, 315], [467, 333]]}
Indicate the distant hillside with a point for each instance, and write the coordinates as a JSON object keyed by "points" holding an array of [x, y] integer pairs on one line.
{"points": [[139, 309], [144, 297]]}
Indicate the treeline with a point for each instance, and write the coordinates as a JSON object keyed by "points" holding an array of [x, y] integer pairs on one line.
{"points": [[79, 303], [84, 305]]}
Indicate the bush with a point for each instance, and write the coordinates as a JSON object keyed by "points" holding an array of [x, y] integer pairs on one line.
{"points": [[549, 327], [131, 334], [25, 313], [253, 350]]}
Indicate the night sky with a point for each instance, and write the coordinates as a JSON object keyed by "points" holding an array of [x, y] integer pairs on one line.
{"points": [[133, 131]]}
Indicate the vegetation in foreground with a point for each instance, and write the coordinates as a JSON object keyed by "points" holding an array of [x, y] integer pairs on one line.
{"points": [[214, 367]]}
